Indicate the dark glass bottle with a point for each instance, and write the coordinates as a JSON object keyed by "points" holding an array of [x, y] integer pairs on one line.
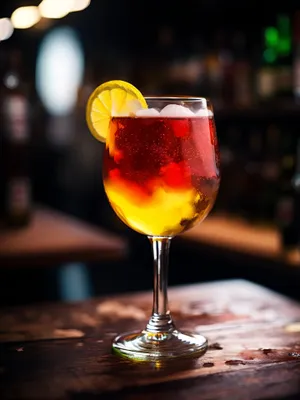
{"points": [[15, 145], [270, 171], [288, 204], [254, 185]]}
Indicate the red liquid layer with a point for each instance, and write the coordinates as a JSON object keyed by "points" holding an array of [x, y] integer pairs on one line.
{"points": [[146, 156]]}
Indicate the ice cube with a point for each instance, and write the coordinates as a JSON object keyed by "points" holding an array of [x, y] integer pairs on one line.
{"points": [[176, 111], [147, 112], [203, 113]]}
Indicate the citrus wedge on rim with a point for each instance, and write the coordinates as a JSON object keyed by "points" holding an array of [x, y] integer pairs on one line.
{"points": [[111, 99]]}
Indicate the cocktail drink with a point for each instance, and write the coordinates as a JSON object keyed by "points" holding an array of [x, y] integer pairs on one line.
{"points": [[161, 174], [161, 177]]}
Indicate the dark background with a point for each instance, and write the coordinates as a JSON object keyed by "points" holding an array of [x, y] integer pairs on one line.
{"points": [[141, 42]]}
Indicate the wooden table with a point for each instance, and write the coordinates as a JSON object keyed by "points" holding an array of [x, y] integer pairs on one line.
{"points": [[53, 237], [238, 235], [62, 351]]}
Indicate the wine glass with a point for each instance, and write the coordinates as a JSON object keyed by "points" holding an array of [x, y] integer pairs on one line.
{"points": [[161, 177]]}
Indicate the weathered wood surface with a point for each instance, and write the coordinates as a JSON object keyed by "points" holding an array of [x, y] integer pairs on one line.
{"points": [[54, 237], [62, 351]]}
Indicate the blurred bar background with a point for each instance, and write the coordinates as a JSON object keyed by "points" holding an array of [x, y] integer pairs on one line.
{"points": [[244, 56]]}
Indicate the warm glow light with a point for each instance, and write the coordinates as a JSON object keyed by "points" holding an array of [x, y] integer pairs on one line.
{"points": [[6, 29], [25, 17], [55, 8], [59, 71], [79, 5]]}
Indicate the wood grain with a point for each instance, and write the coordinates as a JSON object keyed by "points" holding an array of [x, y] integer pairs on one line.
{"points": [[53, 237], [253, 334]]}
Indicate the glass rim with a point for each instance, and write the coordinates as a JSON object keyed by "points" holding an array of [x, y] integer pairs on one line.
{"points": [[178, 98]]}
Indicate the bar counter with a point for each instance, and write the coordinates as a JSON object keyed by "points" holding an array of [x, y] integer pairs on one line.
{"points": [[63, 350]]}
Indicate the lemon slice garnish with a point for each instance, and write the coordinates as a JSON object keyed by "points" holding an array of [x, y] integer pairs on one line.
{"points": [[111, 99]]}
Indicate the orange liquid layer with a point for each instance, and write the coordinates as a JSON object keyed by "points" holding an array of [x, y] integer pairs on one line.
{"points": [[161, 175]]}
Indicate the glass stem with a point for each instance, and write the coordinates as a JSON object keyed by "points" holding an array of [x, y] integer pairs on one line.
{"points": [[161, 320]]}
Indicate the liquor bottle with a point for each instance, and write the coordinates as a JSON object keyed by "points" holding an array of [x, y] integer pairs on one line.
{"points": [[284, 74], [15, 143], [227, 70], [254, 186], [266, 80], [232, 188], [288, 204], [296, 58], [270, 171], [242, 80]]}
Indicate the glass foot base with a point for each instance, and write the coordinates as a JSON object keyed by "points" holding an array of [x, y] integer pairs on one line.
{"points": [[146, 346]]}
